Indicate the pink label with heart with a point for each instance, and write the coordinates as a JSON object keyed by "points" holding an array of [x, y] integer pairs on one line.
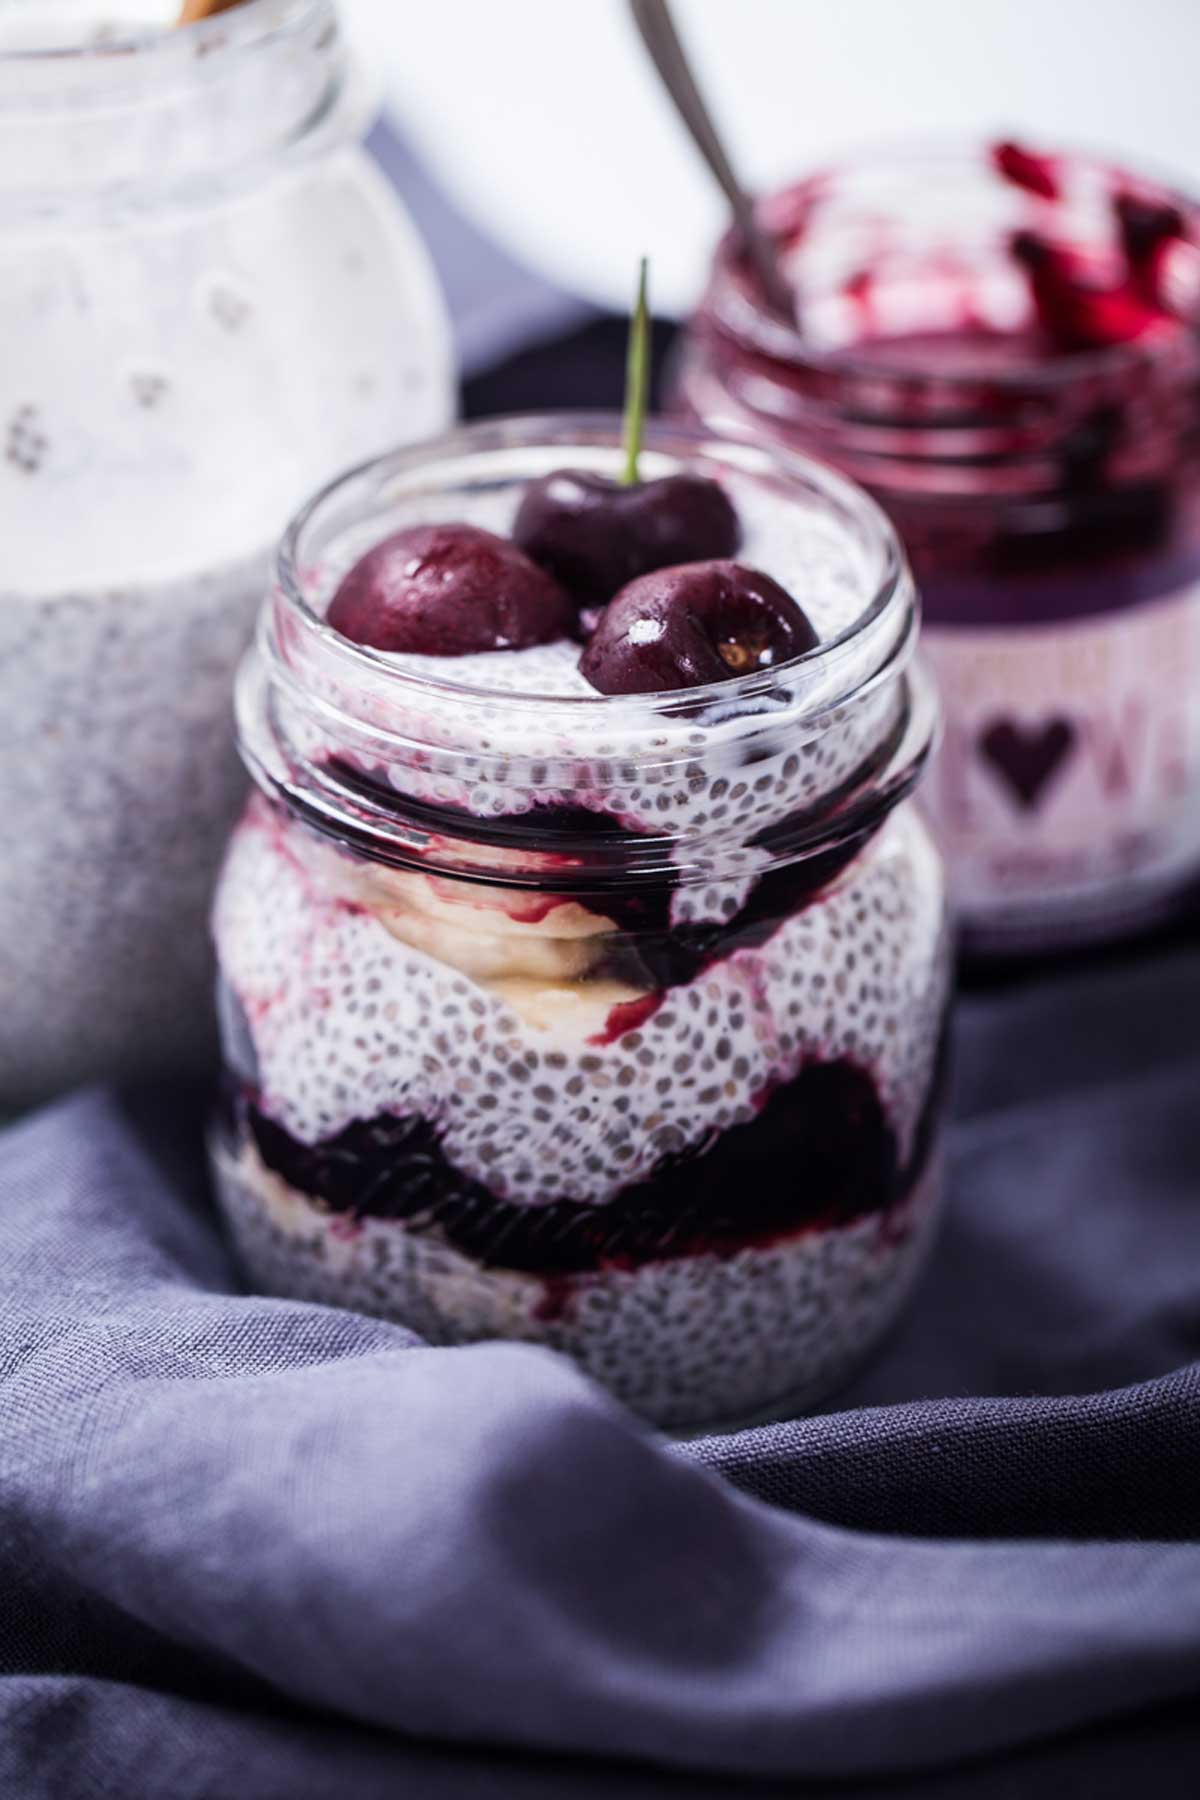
{"points": [[1071, 758]]}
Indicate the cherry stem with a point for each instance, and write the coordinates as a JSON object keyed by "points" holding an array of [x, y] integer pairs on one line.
{"points": [[637, 381]]}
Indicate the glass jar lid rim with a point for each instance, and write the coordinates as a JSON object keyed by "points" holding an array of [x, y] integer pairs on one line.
{"points": [[891, 599], [754, 325]]}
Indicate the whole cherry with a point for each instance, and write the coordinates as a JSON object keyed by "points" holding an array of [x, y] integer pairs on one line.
{"points": [[694, 624], [594, 533], [449, 590]]}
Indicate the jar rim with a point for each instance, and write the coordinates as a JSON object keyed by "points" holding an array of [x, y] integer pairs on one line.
{"points": [[168, 114], [736, 310], [892, 594]]}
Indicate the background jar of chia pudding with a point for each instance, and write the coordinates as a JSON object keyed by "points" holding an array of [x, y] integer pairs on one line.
{"points": [[209, 301], [606, 1022], [1003, 348]]}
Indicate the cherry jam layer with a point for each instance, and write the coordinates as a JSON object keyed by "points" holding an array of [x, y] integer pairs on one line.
{"points": [[648, 947], [819, 1154]]}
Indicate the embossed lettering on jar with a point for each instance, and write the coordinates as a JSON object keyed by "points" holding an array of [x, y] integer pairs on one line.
{"points": [[610, 1022]]}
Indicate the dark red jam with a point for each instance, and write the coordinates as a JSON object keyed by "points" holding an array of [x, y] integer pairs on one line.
{"points": [[972, 368], [819, 1154], [1005, 350]]}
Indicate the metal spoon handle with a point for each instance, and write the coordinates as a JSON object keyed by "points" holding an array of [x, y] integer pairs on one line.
{"points": [[657, 29]]}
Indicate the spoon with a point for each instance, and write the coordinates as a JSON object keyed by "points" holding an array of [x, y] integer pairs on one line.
{"points": [[654, 22]]}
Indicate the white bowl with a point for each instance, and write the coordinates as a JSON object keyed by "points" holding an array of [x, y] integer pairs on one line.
{"points": [[545, 123]]}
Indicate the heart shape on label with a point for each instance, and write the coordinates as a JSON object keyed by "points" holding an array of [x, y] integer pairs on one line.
{"points": [[1027, 756]]}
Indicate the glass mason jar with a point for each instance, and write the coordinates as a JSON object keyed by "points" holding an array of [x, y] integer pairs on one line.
{"points": [[209, 301], [1042, 471], [611, 1023]]}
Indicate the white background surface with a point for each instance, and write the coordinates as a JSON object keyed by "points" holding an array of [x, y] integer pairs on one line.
{"points": [[543, 119]]}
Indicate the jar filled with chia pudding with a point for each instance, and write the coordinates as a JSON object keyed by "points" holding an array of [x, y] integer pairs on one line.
{"points": [[582, 983], [210, 300], [1003, 348]]}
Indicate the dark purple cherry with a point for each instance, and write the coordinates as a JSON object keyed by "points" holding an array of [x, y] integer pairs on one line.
{"points": [[696, 623], [594, 534], [449, 590]]}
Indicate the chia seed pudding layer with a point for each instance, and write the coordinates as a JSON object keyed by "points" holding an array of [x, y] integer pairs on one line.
{"points": [[364, 998], [120, 782], [696, 1341], [655, 1084]]}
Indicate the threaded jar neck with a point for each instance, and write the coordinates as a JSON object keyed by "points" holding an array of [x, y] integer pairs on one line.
{"points": [[497, 783], [92, 122]]}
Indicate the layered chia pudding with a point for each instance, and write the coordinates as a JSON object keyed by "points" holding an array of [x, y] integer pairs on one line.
{"points": [[1002, 346], [583, 968], [209, 301]]}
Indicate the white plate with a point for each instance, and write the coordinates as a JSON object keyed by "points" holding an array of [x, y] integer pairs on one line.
{"points": [[545, 123]]}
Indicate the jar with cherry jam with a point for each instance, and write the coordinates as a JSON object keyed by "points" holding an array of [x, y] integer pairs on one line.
{"points": [[583, 964], [1002, 347]]}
